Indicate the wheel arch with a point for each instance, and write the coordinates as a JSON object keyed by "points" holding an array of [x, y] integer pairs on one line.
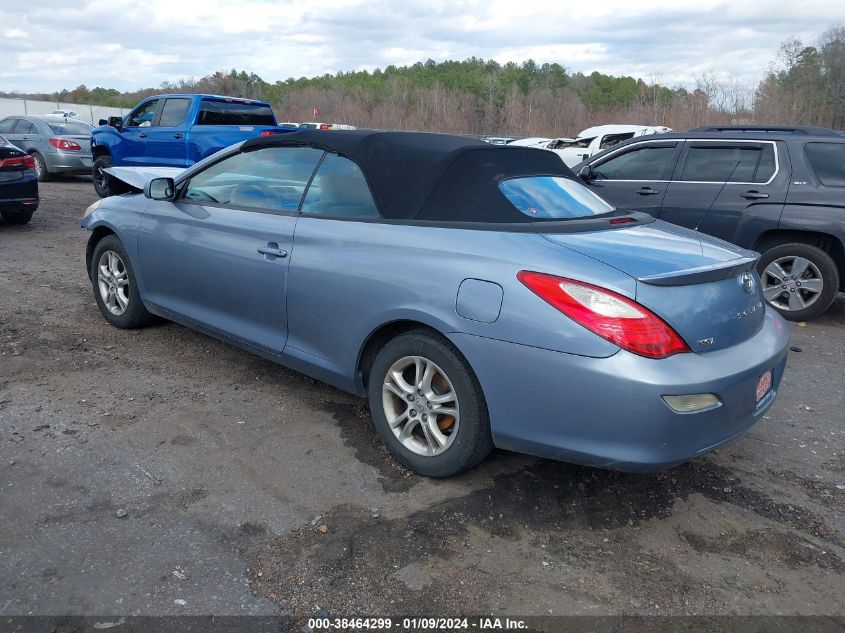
{"points": [[100, 150], [386, 332], [97, 234], [830, 244]]}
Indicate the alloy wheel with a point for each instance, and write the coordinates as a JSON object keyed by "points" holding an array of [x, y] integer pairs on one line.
{"points": [[39, 167], [420, 405], [113, 282], [792, 283]]}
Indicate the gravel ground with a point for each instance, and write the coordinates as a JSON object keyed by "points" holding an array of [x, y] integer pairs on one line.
{"points": [[162, 472]]}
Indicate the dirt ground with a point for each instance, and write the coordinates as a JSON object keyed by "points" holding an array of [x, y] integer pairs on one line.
{"points": [[162, 472]]}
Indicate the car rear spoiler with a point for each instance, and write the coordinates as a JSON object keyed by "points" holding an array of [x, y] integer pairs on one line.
{"points": [[702, 274]]}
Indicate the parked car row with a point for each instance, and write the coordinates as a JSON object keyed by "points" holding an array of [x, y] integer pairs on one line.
{"points": [[420, 270], [767, 189]]}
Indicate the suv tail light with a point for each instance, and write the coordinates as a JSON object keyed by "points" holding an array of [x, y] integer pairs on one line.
{"points": [[615, 318], [64, 144], [18, 162]]}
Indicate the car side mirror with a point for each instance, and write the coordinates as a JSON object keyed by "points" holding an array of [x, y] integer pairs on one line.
{"points": [[103, 122], [115, 122], [586, 173], [160, 189]]}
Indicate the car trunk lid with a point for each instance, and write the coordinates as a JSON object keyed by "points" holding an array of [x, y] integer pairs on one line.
{"points": [[706, 289]]}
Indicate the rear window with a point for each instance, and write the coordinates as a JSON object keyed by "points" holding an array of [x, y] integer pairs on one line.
{"points": [[552, 197], [70, 128], [231, 113], [828, 161]]}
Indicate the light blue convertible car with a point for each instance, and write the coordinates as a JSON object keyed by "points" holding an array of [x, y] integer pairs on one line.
{"points": [[478, 295]]}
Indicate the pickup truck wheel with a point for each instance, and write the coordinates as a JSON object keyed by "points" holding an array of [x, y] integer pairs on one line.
{"points": [[40, 167], [104, 184], [799, 280]]}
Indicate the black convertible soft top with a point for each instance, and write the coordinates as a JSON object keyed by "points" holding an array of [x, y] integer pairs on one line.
{"points": [[424, 176]]}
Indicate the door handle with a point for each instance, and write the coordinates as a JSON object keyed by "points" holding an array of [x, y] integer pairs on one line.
{"points": [[272, 251], [177, 135], [647, 191], [142, 135], [754, 195]]}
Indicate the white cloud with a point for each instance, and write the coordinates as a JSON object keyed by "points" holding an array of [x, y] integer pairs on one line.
{"points": [[128, 45]]}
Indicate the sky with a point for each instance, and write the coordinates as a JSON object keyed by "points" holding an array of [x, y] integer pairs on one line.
{"points": [[48, 45]]}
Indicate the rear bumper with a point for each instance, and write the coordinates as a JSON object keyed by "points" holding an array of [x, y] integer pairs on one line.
{"points": [[69, 162], [609, 412], [18, 191]]}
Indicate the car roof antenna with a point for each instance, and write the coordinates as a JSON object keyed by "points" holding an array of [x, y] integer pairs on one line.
{"points": [[724, 184]]}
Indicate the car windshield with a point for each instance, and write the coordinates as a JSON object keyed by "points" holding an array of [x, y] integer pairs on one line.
{"points": [[553, 197], [76, 128]]}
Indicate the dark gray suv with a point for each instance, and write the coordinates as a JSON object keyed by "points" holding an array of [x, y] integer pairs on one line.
{"points": [[776, 190]]}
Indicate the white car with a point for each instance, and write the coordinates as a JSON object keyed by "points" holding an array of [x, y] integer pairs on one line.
{"points": [[498, 140], [314, 125], [590, 141], [63, 113]]}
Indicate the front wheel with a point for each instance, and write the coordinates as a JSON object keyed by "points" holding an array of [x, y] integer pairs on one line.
{"points": [[427, 405], [115, 288], [104, 184], [799, 280]]}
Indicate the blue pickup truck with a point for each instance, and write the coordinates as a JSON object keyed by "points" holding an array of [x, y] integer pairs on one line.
{"points": [[175, 130]]}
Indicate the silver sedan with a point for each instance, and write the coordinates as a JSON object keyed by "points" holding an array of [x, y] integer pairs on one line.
{"points": [[58, 145]]}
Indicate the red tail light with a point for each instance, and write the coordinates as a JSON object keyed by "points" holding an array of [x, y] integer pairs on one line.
{"points": [[615, 318], [63, 144], [18, 162], [325, 126]]}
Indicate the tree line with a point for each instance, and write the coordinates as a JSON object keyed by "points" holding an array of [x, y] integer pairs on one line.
{"points": [[805, 85]]}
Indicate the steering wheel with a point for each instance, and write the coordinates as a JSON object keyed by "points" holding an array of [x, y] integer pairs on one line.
{"points": [[199, 195], [255, 194]]}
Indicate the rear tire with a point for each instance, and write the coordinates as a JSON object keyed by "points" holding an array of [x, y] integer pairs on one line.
{"points": [[425, 441], [40, 167], [114, 285], [104, 184], [16, 217], [800, 281]]}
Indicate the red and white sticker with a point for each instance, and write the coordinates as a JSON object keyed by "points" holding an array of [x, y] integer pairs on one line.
{"points": [[764, 384]]}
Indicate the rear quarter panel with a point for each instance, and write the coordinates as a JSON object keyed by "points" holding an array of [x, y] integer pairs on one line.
{"points": [[348, 278]]}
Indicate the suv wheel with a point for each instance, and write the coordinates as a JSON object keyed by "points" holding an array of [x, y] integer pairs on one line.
{"points": [[799, 281]]}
